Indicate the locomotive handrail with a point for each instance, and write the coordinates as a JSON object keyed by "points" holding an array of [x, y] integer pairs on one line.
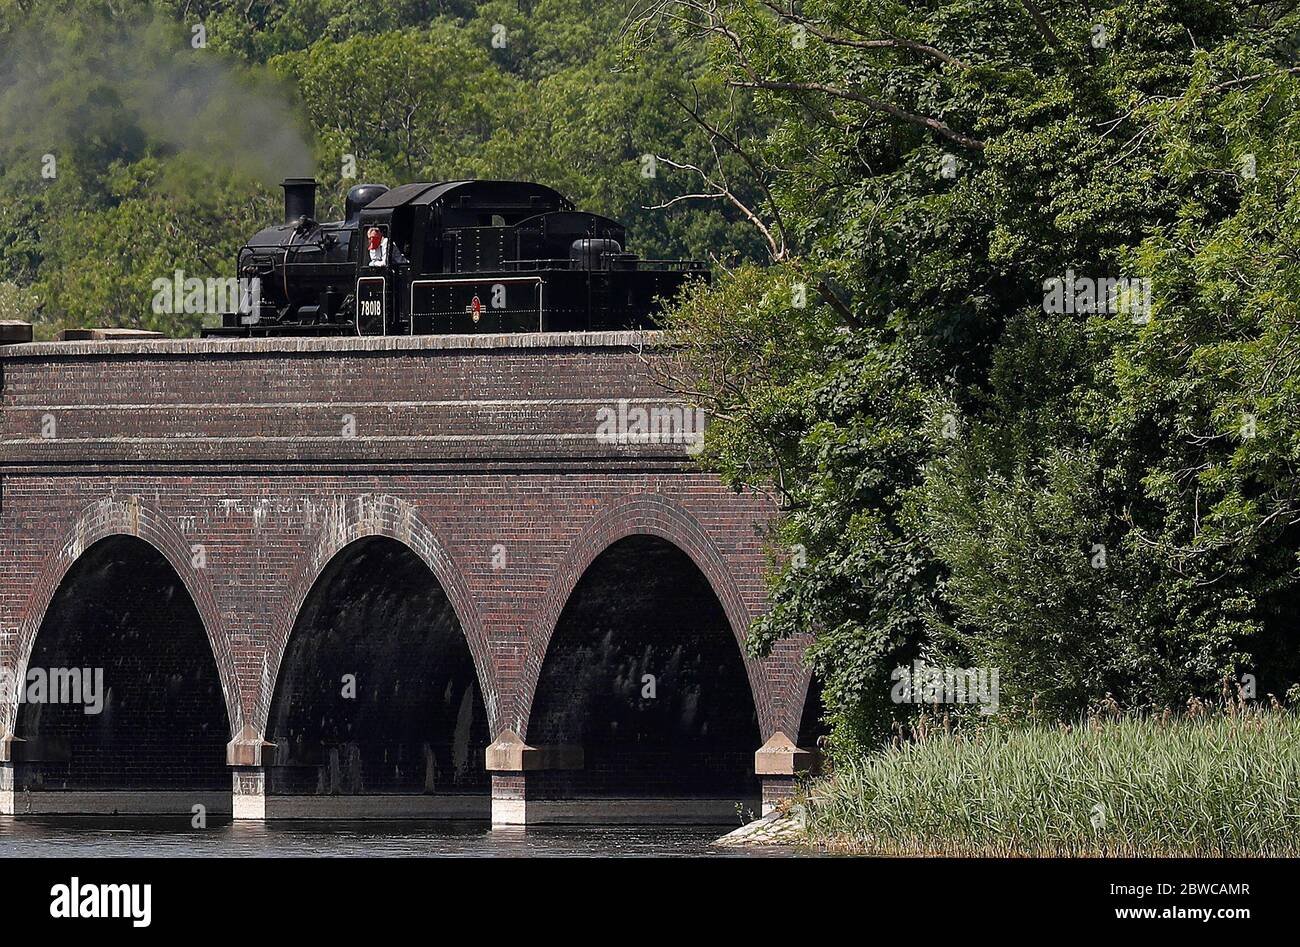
{"points": [[564, 263], [680, 264]]}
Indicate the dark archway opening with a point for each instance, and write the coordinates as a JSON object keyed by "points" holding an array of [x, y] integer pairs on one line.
{"points": [[377, 692], [813, 726], [644, 673], [158, 722]]}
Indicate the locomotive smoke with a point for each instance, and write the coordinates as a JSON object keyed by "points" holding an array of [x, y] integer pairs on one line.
{"points": [[121, 86], [209, 111]]}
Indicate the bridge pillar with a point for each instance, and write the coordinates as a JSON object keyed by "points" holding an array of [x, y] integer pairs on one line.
{"points": [[248, 794], [248, 778], [778, 763], [509, 800], [6, 788], [509, 760], [7, 774]]}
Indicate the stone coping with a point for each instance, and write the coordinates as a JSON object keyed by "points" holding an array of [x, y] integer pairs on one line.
{"points": [[289, 345]]}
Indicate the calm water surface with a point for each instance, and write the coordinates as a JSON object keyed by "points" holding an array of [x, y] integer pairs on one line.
{"points": [[83, 837]]}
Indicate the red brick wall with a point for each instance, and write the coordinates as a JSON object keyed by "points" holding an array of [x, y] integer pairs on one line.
{"points": [[461, 445]]}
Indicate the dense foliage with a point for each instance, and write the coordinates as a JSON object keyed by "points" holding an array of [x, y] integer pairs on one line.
{"points": [[170, 122], [1091, 498]]}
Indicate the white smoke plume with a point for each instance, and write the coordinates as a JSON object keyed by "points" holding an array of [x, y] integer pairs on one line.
{"points": [[120, 87]]}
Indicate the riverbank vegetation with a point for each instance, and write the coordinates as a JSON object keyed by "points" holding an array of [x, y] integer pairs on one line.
{"points": [[1213, 782], [1023, 372]]}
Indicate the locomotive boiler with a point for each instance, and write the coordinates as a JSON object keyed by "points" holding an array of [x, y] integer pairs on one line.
{"points": [[451, 257]]}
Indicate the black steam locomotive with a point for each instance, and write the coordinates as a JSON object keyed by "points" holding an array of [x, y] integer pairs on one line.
{"points": [[455, 257]]}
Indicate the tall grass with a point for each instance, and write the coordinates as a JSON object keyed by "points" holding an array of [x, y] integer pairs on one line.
{"points": [[1208, 784]]}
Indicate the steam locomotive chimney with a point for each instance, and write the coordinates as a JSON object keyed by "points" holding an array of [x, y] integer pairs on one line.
{"points": [[299, 199]]}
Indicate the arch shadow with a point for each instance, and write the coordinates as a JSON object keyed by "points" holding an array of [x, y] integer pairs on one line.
{"points": [[811, 727], [649, 515], [377, 693], [645, 678], [124, 694], [363, 517], [127, 516]]}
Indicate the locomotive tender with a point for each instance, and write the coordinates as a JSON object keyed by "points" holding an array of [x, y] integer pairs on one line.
{"points": [[452, 257]]}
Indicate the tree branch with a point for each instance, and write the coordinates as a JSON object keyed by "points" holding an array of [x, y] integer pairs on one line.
{"points": [[895, 42], [776, 250], [833, 300], [923, 121], [759, 178], [1040, 21]]}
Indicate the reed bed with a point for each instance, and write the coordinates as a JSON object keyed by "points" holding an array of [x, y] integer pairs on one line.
{"points": [[1210, 783]]}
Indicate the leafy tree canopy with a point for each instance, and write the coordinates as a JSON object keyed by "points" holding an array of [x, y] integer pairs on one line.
{"points": [[1094, 498]]}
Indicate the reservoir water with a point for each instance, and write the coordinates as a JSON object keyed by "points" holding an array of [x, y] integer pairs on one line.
{"points": [[84, 837]]}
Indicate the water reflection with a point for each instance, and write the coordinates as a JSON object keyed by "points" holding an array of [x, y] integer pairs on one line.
{"points": [[86, 837]]}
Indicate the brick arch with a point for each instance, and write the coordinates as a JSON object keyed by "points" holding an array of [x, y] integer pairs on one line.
{"points": [[127, 516], [652, 515], [362, 517]]}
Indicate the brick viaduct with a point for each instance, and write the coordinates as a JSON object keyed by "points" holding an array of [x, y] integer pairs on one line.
{"points": [[268, 500]]}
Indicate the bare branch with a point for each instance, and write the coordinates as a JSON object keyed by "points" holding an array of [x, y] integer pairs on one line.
{"points": [[1246, 80], [776, 251], [760, 180]]}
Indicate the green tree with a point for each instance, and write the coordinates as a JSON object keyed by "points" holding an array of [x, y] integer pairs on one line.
{"points": [[976, 478]]}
